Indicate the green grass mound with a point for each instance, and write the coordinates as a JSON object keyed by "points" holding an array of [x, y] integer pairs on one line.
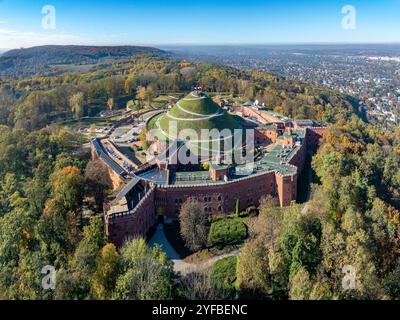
{"points": [[196, 112], [152, 126], [204, 106], [220, 123], [227, 232]]}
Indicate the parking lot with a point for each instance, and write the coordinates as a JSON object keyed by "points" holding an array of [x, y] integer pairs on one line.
{"points": [[119, 157], [127, 134]]}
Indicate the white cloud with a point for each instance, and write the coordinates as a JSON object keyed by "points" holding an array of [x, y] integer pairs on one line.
{"points": [[6, 31], [10, 39]]}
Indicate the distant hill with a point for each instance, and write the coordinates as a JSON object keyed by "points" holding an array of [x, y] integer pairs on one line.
{"points": [[39, 60]]}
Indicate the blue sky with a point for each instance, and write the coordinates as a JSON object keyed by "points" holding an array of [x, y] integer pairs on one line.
{"points": [[156, 22]]}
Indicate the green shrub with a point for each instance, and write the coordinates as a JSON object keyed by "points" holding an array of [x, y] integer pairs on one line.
{"points": [[223, 273], [227, 232]]}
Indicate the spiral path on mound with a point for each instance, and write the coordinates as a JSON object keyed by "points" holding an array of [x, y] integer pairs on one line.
{"points": [[197, 112]]}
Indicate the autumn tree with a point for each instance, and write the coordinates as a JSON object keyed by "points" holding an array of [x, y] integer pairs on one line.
{"points": [[194, 224], [141, 94], [146, 273], [67, 186], [74, 280], [151, 92], [201, 286], [254, 276], [97, 181], [106, 274], [300, 285], [110, 104], [58, 227], [8, 193], [76, 102]]}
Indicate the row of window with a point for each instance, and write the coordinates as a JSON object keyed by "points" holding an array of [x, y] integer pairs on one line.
{"points": [[250, 192], [209, 209], [179, 201], [209, 199]]}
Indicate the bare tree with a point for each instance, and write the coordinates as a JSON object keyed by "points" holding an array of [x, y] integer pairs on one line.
{"points": [[97, 180], [194, 224], [201, 286]]}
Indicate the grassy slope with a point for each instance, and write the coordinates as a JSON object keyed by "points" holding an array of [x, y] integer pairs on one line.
{"points": [[205, 107]]}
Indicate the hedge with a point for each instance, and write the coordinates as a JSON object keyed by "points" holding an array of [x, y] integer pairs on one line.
{"points": [[227, 232]]}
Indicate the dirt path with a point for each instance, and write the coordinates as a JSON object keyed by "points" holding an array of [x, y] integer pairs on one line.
{"points": [[180, 266], [185, 268]]}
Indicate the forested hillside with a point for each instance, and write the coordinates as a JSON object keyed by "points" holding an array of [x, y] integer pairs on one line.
{"points": [[300, 253], [48, 184], [35, 102], [40, 60]]}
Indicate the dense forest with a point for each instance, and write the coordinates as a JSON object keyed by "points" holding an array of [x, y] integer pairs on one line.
{"points": [[40, 60], [48, 182], [351, 220]]}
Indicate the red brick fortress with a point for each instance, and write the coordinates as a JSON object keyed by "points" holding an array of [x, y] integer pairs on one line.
{"points": [[156, 190]]}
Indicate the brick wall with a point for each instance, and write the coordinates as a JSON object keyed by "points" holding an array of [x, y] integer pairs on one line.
{"points": [[216, 198], [299, 158], [135, 224], [262, 117], [116, 180], [218, 175], [265, 136], [313, 136], [286, 189]]}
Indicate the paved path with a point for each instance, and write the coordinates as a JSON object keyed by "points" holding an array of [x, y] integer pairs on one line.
{"points": [[160, 239], [210, 262], [180, 266], [185, 268]]}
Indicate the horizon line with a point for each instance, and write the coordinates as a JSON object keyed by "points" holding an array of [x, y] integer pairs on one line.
{"points": [[194, 44]]}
